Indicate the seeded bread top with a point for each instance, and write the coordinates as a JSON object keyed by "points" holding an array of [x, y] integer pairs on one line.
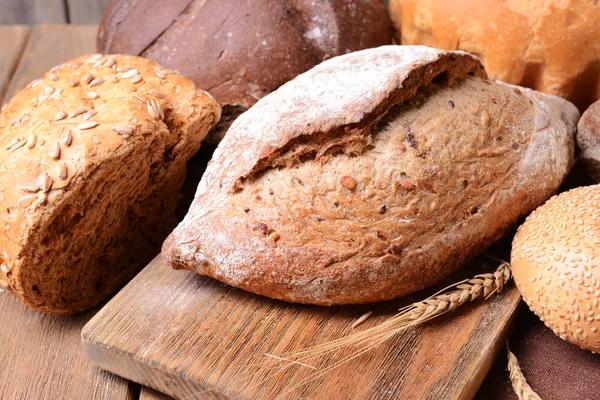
{"points": [[79, 114]]}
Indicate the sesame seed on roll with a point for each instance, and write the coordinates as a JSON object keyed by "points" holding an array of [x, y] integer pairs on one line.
{"points": [[556, 265]]}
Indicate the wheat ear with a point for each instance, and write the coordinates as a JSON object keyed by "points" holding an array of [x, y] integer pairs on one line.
{"points": [[442, 302], [517, 379]]}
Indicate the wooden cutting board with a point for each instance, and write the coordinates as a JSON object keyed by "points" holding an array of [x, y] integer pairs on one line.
{"points": [[183, 334]]}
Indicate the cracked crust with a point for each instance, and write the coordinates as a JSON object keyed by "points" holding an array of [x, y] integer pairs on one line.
{"points": [[246, 48], [93, 158], [371, 176]]}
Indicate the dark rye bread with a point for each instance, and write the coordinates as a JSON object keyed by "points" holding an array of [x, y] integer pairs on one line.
{"points": [[93, 159], [373, 175], [588, 141], [241, 50]]}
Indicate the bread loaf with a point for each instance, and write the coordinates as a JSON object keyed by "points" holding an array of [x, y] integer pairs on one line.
{"points": [[588, 141], [93, 158], [241, 50], [371, 176], [555, 267], [548, 45]]}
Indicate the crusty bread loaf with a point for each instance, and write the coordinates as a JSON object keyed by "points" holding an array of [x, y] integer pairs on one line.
{"points": [[241, 50], [588, 141], [548, 45], [93, 158], [555, 267], [371, 176]]}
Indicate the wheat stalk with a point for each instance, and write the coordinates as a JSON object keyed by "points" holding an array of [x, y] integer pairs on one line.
{"points": [[517, 379], [440, 303]]}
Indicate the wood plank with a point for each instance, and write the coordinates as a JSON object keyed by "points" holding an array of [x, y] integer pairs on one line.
{"points": [[181, 333], [151, 394], [50, 45], [41, 355], [32, 12], [86, 11], [12, 42]]}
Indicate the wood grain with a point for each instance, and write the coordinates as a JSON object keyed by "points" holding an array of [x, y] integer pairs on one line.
{"points": [[41, 355], [182, 334], [12, 43], [86, 11], [151, 394], [50, 45], [32, 12]]}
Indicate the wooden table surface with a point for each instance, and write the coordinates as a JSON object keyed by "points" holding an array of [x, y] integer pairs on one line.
{"points": [[41, 356]]}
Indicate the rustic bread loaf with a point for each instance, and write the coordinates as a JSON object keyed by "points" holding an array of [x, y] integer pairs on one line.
{"points": [[93, 158], [241, 50], [588, 141], [371, 176], [555, 267], [548, 45]]}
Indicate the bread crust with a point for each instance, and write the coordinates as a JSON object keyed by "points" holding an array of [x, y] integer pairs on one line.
{"points": [[554, 265], [348, 185], [93, 158], [246, 48], [548, 45], [588, 141]]}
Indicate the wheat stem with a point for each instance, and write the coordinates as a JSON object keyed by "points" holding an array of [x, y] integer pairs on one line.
{"points": [[440, 303], [517, 379]]}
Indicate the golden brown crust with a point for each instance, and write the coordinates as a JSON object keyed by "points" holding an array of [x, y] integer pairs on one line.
{"points": [[548, 45], [372, 176], [554, 262], [85, 151]]}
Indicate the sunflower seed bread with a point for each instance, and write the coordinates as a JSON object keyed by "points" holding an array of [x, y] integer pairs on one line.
{"points": [[93, 156], [371, 176]]}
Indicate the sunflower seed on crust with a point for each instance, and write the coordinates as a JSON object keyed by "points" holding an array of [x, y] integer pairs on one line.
{"points": [[56, 94], [26, 200], [77, 112], [55, 151], [136, 79], [93, 95], [110, 62], [123, 69], [62, 171], [98, 63], [31, 141], [88, 78], [130, 74], [44, 182], [141, 98], [125, 130], [53, 77], [160, 73], [34, 102], [48, 89], [60, 116], [74, 83], [87, 125], [155, 109], [89, 114], [43, 98], [93, 58], [68, 138], [157, 94], [96, 82], [16, 144]]}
